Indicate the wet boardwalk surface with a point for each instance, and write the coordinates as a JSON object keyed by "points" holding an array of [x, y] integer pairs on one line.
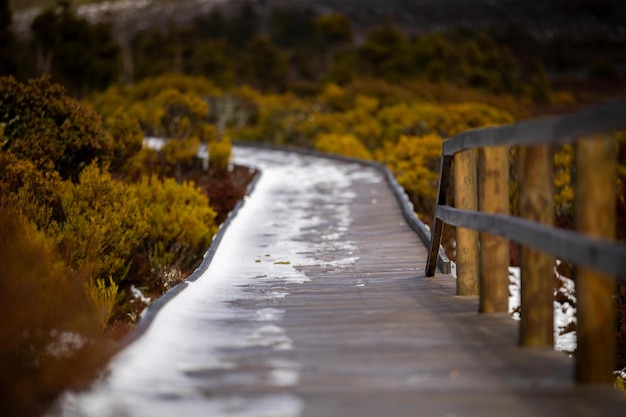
{"points": [[316, 304]]}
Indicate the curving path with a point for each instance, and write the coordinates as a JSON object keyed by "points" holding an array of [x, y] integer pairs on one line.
{"points": [[316, 304]]}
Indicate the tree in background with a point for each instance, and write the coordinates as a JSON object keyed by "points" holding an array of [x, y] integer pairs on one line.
{"points": [[344, 69], [201, 50], [243, 27], [265, 65], [538, 83], [466, 58], [291, 27], [43, 29], [152, 54], [210, 58], [8, 44], [385, 53], [334, 33], [334, 30], [84, 57], [211, 26]]}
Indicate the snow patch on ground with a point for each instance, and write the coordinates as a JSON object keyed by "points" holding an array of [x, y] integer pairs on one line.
{"points": [[564, 311], [136, 292], [65, 344]]}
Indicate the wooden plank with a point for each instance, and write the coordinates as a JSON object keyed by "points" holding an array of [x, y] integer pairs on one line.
{"points": [[536, 203], [378, 337], [466, 198], [493, 197], [595, 216]]}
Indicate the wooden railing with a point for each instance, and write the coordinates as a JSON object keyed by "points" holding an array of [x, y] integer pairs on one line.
{"points": [[481, 193]]}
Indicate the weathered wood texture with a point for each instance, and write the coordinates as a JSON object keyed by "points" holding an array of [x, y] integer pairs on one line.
{"points": [[378, 338], [595, 216], [599, 258], [437, 229], [493, 197], [466, 198], [536, 203]]}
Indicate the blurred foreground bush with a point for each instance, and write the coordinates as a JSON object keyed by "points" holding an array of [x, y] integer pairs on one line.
{"points": [[50, 329]]}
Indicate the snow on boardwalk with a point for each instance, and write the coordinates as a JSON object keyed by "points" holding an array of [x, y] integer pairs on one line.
{"points": [[316, 304]]}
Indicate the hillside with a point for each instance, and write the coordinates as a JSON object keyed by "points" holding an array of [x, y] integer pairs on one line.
{"points": [[546, 19]]}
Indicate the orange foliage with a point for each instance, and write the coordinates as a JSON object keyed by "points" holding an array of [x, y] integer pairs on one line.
{"points": [[49, 328]]}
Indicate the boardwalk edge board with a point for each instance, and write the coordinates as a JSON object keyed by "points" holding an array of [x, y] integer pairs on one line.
{"points": [[602, 255], [148, 315]]}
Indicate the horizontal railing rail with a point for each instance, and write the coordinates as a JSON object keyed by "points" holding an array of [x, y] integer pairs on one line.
{"points": [[477, 162], [567, 245], [549, 130]]}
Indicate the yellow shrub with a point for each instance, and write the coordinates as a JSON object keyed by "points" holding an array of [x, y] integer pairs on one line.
{"points": [[181, 152], [347, 145], [415, 162], [181, 221], [334, 98], [103, 298], [620, 384], [445, 120], [127, 137], [124, 96], [31, 192], [219, 154], [104, 224]]}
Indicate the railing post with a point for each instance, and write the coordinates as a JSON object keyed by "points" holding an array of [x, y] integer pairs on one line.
{"points": [[437, 229], [466, 198], [493, 197], [536, 202], [595, 216]]}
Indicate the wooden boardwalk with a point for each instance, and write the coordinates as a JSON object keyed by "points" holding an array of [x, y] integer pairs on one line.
{"points": [[381, 339], [316, 304]]}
